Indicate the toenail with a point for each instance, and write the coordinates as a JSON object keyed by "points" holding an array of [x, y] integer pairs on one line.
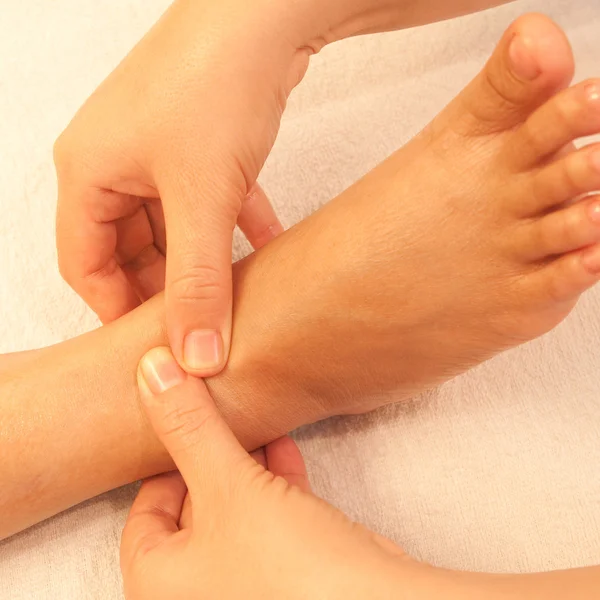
{"points": [[594, 212], [591, 259], [592, 92], [523, 59], [595, 160]]}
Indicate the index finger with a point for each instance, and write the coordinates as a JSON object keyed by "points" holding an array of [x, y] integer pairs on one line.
{"points": [[86, 253], [154, 516]]}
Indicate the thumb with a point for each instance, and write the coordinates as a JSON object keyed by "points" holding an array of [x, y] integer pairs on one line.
{"points": [[198, 276], [189, 425]]}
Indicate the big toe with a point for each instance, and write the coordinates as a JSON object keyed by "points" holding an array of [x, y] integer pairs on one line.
{"points": [[530, 64]]}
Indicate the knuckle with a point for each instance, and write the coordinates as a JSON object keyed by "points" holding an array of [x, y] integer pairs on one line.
{"points": [[199, 283], [184, 425], [504, 87], [58, 150], [62, 155], [73, 154], [137, 548]]}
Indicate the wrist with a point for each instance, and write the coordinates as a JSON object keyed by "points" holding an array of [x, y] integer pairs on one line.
{"points": [[327, 21], [311, 24], [323, 22]]}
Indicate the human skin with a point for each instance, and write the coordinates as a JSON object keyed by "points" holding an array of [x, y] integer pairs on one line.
{"points": [[340, 19], [188, 531], [354, 307], [574, 584], [170, 145]]}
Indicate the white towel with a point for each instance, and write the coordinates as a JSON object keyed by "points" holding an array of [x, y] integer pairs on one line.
{"points": [[497, 471]]}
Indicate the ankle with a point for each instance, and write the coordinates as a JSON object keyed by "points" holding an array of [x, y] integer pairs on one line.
{"points": [[260, 401]]}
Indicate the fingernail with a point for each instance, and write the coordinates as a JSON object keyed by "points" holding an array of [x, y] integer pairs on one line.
{"points": [[161, 371], [203, 350], [523, 58], [591, 259]]}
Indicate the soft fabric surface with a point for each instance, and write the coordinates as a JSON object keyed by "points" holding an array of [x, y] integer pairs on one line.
{"points": [[497, 471]]}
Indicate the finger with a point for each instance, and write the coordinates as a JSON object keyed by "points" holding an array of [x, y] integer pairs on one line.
{"points": [[156, 218], [198, 278], [284, 459], [185, 521], [140, 259], [190, 427], [154, 515], [146, 272], [257, 219], [86, 240]]}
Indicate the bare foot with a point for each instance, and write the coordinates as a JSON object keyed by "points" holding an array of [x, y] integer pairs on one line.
{"points": [[484, 240]]}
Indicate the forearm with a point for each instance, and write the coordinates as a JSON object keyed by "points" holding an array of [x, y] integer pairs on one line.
{"points": [[574, 584], [346, 18], [428, 582], [315, 23]]}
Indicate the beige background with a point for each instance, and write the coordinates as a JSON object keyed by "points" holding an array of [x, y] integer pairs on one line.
{"points": [[496, 471]]}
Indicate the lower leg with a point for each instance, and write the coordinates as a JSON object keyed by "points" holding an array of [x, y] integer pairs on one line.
{"points": [[71, 426]]}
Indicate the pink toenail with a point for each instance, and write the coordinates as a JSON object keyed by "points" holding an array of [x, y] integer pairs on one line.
{"points": [[594, 212], [592, 92], [591, 259], [523, 59], [595, 160]]}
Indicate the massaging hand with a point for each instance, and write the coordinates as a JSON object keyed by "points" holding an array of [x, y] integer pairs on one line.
{"points": [[167, 151], [246, 532], [228, 528]]}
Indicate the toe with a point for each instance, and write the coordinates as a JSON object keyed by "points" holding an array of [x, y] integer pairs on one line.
{"points": [[576, 174], [532, 62], [572, 114], [566, 278], [566, 230]]}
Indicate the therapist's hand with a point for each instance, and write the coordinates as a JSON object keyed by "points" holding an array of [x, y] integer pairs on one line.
{"points": [[243, 531], [166, 152]]}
